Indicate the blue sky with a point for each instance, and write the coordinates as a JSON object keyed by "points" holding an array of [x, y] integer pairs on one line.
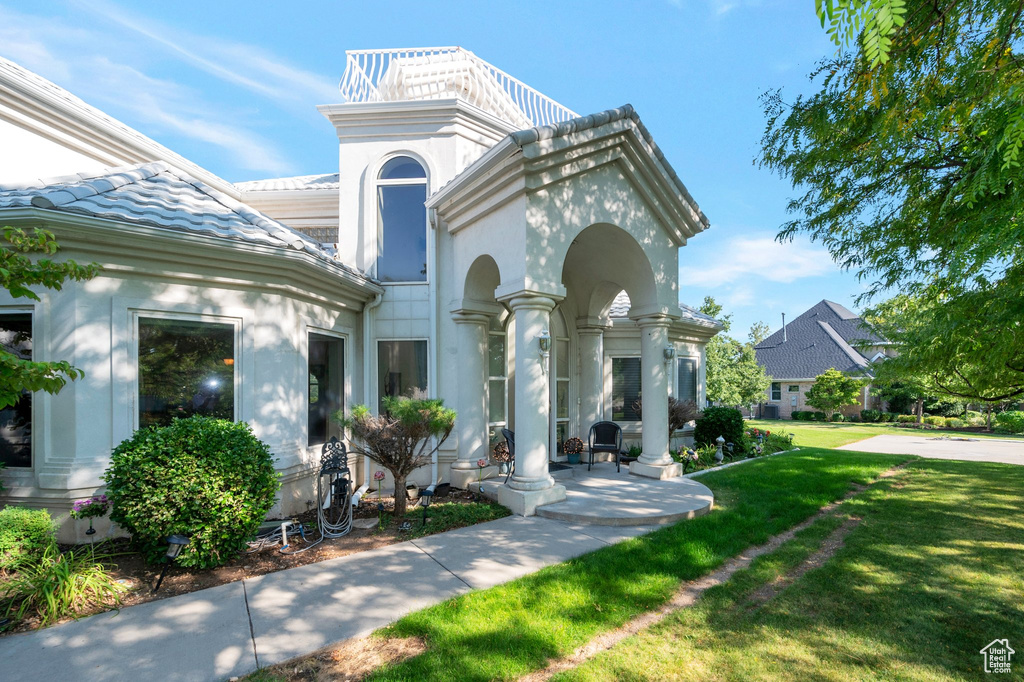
{"points": [[233, 86]]}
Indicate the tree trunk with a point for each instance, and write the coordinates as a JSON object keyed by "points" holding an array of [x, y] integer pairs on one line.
{"points": [[988, 416], [920, 410], [400, 498]]}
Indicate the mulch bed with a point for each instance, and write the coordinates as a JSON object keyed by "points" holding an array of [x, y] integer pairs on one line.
{"points": [[140, 577]]}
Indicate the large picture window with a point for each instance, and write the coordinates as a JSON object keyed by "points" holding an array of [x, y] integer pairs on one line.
{"points": [[625, 389], [402, 369], [186, 367], [16, 419], [686, 386], [326, 386], [402, 217]]}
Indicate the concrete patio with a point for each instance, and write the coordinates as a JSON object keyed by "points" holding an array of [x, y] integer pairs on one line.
{"points": [[604, 497]]}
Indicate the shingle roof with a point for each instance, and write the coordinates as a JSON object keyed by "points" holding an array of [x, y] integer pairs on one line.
{"points": [[157, 195], [621, 304], [298, 182], [822, 338]]}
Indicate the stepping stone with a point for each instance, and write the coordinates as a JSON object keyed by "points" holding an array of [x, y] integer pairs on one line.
{"points": [[364, 524]]}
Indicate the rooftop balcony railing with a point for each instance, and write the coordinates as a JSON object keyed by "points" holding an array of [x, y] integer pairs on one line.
{"points": [[444, 73]]}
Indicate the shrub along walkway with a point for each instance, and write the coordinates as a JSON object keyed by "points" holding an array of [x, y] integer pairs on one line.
{"points": [[231, 629]]}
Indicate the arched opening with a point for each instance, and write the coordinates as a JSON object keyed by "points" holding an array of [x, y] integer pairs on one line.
{"points": [[401, 221]]}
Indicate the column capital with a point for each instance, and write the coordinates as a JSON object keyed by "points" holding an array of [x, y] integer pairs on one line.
{"points": [[592, 325], [529, 300], [655, 320], [470, 317]]}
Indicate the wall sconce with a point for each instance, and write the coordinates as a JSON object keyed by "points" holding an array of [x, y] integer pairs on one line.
{"points": [[544, 342], [670, 354]]}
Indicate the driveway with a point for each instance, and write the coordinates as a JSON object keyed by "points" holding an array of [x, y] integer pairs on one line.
{"points": [[934, 447]]}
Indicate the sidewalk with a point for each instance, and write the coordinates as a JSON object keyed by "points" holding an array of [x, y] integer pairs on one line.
{"points": [[230, 630]]}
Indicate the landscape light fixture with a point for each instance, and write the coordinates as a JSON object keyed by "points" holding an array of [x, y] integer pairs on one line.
{"points": [[425, 497], [174, 545]]}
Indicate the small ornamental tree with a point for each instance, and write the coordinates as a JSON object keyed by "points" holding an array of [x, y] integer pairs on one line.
{"points": [[402, 439], [832, 391], [18, 272], [680, 412]]}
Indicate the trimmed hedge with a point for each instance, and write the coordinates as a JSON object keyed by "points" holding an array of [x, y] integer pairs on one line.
{"points": [[935, 420], [870, 415], [720, 421], [25, 534], [954, 423], [906, 418], [210, 479]]}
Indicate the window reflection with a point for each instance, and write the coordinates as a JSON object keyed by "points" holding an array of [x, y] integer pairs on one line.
{"points": [[16, 419]]}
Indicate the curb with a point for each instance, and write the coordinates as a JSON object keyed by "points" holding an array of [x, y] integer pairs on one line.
{"points": [[695, 474]]}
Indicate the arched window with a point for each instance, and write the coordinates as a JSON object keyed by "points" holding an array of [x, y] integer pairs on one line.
{"points": [[402, 221]]}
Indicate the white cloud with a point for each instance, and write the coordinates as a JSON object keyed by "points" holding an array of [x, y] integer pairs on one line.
{"points": [[751, 258], [76, 57], [247, 66]]}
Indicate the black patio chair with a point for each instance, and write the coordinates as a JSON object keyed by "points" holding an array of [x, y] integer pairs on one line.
{"points": [[606, 437], [510, 441]]}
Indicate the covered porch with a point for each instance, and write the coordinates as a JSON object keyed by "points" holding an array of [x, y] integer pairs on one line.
{"points": [[545, 231]]}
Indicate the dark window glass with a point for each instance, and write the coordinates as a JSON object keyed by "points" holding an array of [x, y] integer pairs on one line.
{"points": [[16, 419], [402, 253], [326, 386], [687, 379], [776, 390], [625, 389], [402, 367], [402, 168], [185, 368]]}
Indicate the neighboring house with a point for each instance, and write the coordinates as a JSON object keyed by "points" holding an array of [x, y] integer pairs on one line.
{"points": [[470, 220], [826, 336]]}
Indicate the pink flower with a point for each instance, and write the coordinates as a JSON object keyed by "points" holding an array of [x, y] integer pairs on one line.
{"points": [[378, 475], [481, 462]]}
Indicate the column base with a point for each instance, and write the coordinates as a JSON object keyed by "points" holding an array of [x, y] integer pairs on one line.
{"points": [[461, 478], [673, 470], [525, 502]]}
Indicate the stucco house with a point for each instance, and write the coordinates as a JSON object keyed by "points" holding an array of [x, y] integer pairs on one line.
{"points": [[470, 218], [826, 336]]}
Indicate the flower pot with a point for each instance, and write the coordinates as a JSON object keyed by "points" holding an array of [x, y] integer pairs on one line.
{"points": [[574, 457], [412, 491]]}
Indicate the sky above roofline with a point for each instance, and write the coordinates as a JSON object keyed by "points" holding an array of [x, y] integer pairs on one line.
{"points": [[234, 88]]}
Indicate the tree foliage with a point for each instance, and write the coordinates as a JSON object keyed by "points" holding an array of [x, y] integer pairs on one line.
{"points": [[402, 439], [23, 265], [875, 21], [733, 376], [832, 391], [908, 170]]}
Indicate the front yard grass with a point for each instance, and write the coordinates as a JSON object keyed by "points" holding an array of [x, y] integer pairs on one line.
{"points": [[931, 575], [512, 629], [834, 434]]}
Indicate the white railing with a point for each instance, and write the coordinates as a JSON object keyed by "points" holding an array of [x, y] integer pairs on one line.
{"points": [[446, 72]]}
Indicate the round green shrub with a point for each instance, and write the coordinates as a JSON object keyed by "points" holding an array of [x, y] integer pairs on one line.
{"points": [[935, 420], [954, 423], [870, 415], [210, 479], [1011, 421], [25, 535], [906, 418], [720, 421]]}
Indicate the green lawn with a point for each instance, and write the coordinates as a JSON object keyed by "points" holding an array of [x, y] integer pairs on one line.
{"points": [[933, 573], [512, 629], [832, 435]]}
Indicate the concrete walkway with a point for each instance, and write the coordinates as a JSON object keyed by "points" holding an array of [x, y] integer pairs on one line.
{"points": [[229, 630], [935, 447]]}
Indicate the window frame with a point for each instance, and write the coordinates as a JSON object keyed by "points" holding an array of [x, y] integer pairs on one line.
{"points": [[40, 399], [610, 409], [772, 392], [696, 377], [345, 370], [378, 223], [237, 326], [504, 379], [376, 365]]}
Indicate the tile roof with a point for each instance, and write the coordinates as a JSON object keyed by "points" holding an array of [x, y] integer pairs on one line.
{"points": [[821, 338], [157, 195], [298, 182], [620, 308]]}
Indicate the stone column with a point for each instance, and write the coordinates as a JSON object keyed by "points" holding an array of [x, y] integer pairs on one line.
{"points": [[531, 484], [591, 345], [655, 462], [471, 412]]}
